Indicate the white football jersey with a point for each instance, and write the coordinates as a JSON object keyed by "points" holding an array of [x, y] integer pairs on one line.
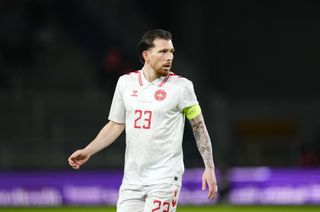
{"points": [[154, 124]]}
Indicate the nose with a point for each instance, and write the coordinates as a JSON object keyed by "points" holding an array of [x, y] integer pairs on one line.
{"points": [[169, 56]]}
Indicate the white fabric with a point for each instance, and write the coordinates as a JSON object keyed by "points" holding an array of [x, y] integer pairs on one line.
{"points": [[154, 124], [163, 197]]}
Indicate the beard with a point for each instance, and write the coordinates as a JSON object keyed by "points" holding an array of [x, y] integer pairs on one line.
{"points": [[163, 71]]}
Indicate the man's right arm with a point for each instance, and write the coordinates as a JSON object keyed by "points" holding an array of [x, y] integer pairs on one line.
{"points": [[108, 134]]}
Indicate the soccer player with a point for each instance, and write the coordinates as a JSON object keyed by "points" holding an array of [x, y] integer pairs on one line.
{"points": [[151, 105]]}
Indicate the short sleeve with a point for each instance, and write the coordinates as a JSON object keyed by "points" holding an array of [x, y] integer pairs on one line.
{"points": [[117, 110], [188, 96]]}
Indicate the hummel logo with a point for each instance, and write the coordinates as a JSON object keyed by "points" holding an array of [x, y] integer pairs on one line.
{"points": [[134, 93], [174, 201]]}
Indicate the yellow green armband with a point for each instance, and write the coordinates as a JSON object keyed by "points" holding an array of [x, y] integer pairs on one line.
{"points": [[192, 111]]}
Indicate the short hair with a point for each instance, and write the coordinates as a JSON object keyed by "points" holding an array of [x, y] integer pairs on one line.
{"points": [[147, 39]]}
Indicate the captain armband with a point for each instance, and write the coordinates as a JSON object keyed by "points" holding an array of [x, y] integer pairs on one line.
{"points": [[192, 111]]}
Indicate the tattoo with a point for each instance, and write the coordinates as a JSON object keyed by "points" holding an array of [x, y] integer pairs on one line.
{"points": [[203, 141]]}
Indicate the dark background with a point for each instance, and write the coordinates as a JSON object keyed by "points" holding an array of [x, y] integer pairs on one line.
{"points": [[254, 65]]}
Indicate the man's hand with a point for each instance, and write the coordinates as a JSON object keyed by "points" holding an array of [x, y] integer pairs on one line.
{"points": [[78, 158], [209, 178]]}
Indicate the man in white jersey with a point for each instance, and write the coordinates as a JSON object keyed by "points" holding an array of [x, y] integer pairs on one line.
{"points": [[151, 105]]}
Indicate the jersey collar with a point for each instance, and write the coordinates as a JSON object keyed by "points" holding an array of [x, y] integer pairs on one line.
{"points": [[159, 81]]}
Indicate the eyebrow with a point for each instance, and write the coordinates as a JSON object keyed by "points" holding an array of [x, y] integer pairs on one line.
{"points": [[164, 49]]}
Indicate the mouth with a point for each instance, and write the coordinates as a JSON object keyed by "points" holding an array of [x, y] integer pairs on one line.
{"points": [[167, 65]]}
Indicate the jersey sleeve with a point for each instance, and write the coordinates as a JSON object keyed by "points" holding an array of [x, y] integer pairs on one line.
{"points": [[117, 111], [188, 96]]}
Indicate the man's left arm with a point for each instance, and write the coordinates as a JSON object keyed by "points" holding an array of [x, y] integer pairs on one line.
{"points": [[203, 142]]}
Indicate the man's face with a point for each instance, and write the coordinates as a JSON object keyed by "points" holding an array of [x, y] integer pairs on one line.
{"points": [[160, 57]]}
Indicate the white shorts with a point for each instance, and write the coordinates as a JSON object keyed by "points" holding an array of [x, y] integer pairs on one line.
{"points": [[152, 198]]}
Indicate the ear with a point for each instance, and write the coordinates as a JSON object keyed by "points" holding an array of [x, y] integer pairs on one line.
{"points": [[145, 55]]}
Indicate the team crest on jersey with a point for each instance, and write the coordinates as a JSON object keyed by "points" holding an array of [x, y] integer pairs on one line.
{"points": [[160, 95]]}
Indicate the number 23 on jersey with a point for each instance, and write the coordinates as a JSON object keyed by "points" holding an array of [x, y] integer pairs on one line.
{"points": [[143, 119]]}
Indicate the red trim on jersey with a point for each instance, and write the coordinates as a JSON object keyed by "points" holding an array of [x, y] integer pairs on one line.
{"points": [[140, 79], [132, 72], [161, 83], [176, 75], [164, 80]]}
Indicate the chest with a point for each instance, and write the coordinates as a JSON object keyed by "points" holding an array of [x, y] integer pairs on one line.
{"points": [[152, 97]]}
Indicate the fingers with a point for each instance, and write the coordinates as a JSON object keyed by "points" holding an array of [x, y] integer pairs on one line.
{"points": [[204, 184], [212, 186], [209, 178], [74, 161], [213, 190]]}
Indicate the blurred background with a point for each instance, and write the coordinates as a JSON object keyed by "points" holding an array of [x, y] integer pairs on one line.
{"points": [[254, 65]]}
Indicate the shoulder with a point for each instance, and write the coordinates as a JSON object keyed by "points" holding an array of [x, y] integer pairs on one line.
{"points": [[129, 76], [183, 81], [128, 79]]}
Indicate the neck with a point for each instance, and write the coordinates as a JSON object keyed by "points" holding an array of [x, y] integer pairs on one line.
{"points": [[149, 73]]}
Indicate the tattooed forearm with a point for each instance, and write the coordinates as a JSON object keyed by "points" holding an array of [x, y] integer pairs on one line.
{"points": [[203, 141]]}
